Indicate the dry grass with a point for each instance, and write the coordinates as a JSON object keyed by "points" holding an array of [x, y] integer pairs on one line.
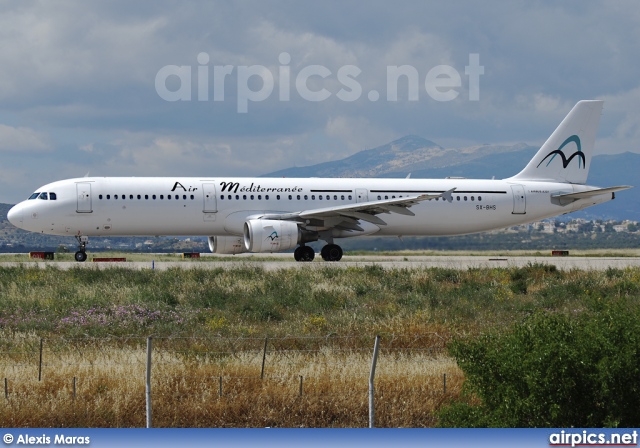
{"points": [[110, 387]]}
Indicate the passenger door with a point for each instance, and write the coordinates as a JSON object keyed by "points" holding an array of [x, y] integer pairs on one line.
{"points": [[83, 191]]}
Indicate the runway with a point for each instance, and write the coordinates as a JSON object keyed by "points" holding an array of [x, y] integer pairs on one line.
{"points": [[284, 261]]}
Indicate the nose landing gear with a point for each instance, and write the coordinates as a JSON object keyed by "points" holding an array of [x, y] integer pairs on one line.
{"points": [[81, 254]]}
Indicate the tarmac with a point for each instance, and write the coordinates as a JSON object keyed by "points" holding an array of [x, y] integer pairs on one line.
{"points": [[285, 261]]}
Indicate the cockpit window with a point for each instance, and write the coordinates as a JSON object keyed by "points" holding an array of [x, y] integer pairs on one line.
{"points": [[52, 196], [34, 195], [43, 196]]}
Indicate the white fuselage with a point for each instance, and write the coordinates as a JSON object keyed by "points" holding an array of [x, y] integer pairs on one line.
{"points": [[121, 206]]}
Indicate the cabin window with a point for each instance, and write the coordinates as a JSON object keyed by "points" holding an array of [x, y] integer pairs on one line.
{"points": [[99, 196], [34, 195], [146, 196], [53, 196], [108, 196], [479, 198], [259, 197]]}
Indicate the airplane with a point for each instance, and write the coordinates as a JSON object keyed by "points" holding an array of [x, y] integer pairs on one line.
{"points": [[277, 214]]}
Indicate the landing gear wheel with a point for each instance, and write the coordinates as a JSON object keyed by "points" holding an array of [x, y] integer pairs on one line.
{"points": [[81, 255], [331, 252], [304, 253]]}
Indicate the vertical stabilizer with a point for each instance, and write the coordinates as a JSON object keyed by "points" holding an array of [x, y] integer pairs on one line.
{"points": [[566, 155]]}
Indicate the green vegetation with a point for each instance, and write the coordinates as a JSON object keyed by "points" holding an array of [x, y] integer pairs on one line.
{"points": [[538, 346], [247, 300], [554, 370]]}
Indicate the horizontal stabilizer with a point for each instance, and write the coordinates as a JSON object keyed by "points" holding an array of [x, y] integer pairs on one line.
{"points": [[591, 193]]}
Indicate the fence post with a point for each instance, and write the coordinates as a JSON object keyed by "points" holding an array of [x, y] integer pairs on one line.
{"points": [[6, 389], [445, 382], [40, 362], [376, 348], [264, 357], [74, 387], [301, 385], [220, 392], [148, 382]]}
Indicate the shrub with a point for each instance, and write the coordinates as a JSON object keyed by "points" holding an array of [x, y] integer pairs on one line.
{"points": [[553, 370]]}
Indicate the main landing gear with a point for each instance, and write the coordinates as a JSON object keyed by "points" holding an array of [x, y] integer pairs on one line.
{"points": [[81, 255], [304, 253], [330, 252]]}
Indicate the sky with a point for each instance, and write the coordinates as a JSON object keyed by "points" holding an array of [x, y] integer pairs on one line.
{"points": [[213, 88]]}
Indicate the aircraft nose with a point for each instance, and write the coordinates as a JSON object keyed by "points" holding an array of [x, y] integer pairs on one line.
{"points": [[15, 215]]}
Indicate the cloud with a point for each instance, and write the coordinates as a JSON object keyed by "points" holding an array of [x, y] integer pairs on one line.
{"points": [[621, 119], [78, 79], [22, 139]]}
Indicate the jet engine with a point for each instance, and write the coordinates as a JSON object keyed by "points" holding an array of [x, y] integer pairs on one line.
{"points": [[269, 235], [226, 245]]}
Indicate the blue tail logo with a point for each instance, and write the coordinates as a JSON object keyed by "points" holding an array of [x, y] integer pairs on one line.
{"points": [[565, 162]]}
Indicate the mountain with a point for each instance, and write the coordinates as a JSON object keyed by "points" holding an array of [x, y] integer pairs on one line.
{"points": [[423, 158], [410, 154]]}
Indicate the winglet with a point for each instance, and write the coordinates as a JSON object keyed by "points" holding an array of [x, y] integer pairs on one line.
{"points": [[448, 195]]}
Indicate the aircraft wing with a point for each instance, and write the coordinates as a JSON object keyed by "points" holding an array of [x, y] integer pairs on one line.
{"points": [[591, 193], [346, 216]]}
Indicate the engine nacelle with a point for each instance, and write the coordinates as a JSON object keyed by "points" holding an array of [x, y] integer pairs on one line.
{"points": [[226, 245], [270, 235]]}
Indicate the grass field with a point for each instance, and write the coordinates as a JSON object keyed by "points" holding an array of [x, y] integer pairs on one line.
{"points": [[320, 324]]}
